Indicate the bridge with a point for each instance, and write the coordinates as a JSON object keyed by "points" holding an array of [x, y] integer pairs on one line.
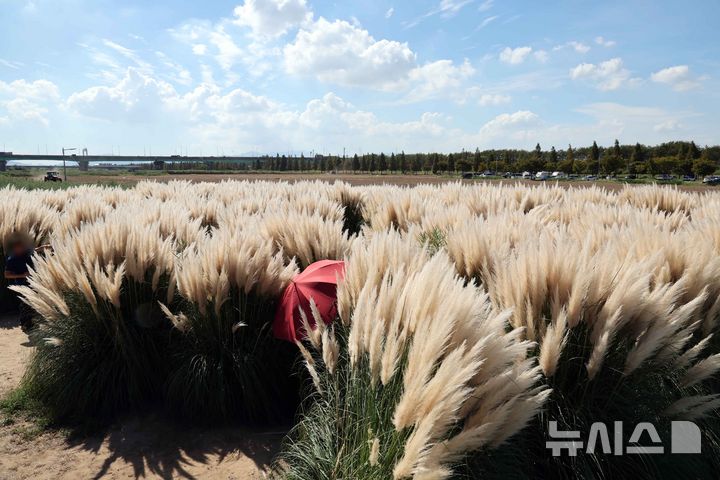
{"points": [[158, 161]]}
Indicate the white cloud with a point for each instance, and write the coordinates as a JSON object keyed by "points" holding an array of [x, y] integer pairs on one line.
{"points": [[437, 78], [36, 90], [487, 21], [605, 42], [608, 75], [11, 64], [342, 53], [579, 47], [541, 56], [520, 117], [489, 99], [177, 73], [136, 97], [389, 12], [446, 9], [229, 51], [451, 7], [678, 77], [515, 56], [23, 100], [486, 5], [668, 126], [272, 18], [510, 127]]}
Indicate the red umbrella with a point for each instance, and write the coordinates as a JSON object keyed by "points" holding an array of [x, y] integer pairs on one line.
{"points": [[318, 282]]}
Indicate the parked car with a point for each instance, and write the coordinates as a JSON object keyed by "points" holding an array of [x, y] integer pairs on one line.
{"points": [[508, 175], [52, 177], [711, 180], [591, 177], [558, 175], [664, 177], [688, 178], [632, 176], [542, 176], [526, 175], [467, 175]]}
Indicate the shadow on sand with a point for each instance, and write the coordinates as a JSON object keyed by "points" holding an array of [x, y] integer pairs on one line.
{"points": [[156, 446]]}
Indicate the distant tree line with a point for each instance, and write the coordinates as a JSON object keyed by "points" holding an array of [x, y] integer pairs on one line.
{"points": [[680, 158]]}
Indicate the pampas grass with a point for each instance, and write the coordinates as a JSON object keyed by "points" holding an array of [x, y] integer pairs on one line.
{"points": [[469, 316]]}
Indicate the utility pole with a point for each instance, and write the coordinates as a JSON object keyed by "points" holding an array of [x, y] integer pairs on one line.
{"points": [[65, 166]]}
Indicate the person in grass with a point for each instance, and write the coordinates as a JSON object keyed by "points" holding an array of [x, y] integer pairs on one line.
{"points": [[17, 269]]}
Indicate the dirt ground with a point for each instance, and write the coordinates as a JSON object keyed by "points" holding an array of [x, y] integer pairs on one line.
{"points": [[353, 179], [140, 447]]}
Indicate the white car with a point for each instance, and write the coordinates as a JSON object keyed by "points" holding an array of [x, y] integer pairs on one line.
{"points": [[542, 175]]}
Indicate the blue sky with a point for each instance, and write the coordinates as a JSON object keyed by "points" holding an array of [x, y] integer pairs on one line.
{"points": [[232, 77]]}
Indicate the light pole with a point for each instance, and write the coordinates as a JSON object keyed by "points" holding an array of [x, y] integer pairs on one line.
{"points": [[64, 166]]}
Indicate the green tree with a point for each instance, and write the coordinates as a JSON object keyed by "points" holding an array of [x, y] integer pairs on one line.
{"points": [[694, 151], [417, 163], [704, 165], [568, 164], [403, 162], [393, 163], [355, 163], [594, 165], [382, 163], [553, 157], [464, 165], [477, 159], [451, 163]]}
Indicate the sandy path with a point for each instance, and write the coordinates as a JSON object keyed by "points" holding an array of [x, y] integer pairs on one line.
{"points": [[144, 447]]}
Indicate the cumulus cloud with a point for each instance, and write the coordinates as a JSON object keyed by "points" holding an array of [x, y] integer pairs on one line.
{"points": [[342, 53], [608, 75], [136, 97], [678, 77], [23, 100], [246, 121], [437, 78], [272, 18], [515, 56], [345, 54], [509, 127]]}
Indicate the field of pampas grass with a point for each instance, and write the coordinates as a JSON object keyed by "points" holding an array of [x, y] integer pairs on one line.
{"points": [[469, 318]]}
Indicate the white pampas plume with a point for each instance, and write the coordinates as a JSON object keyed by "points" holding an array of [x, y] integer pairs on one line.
{"points": [[310, 365], [374, 451], [702, 370], [552, 345], [180, 322]]}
